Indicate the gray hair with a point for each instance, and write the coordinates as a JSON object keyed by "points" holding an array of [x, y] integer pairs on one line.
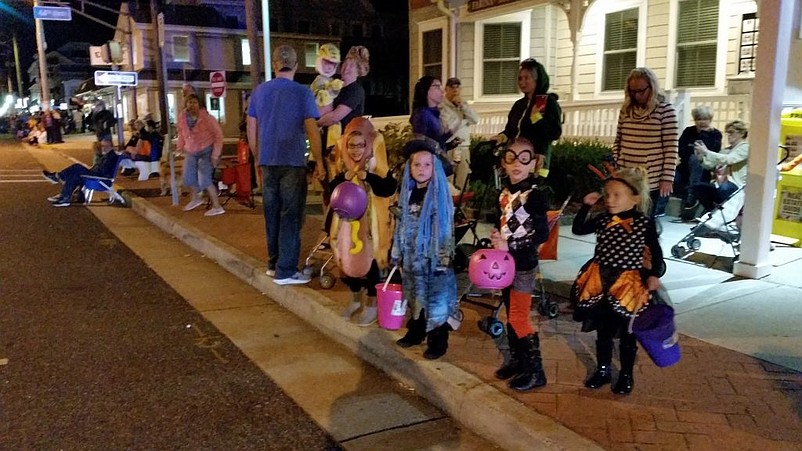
{"points": [[702, 113]]}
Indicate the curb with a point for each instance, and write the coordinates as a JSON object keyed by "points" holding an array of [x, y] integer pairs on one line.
{"points": [[482, 408]]}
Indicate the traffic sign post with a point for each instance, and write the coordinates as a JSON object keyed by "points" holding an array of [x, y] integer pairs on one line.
{"points": [[217, 81], [115, 78], [52, 13]]}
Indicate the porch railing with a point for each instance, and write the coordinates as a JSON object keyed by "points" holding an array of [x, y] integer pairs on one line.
{"points": [[588, 119]]}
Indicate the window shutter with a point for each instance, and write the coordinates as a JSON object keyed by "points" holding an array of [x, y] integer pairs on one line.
{"points": [[620, 48], [697, 33], [501, 52]]}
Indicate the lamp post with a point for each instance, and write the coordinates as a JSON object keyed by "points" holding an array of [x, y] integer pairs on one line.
{"points": [[44, 94]]}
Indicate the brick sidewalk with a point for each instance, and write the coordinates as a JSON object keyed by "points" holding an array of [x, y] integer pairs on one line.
{"points": [[713, 399]]}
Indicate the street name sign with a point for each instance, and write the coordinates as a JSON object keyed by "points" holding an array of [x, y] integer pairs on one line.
{"points": [[115, 78], [52, 13]]}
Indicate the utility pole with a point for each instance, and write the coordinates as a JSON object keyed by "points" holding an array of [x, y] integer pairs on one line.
{"points": [[253, 43], [16, 63], [161, 75], [44, 95]]}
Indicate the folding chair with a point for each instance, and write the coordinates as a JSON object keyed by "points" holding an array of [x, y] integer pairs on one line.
{"points": [[92, 183]]}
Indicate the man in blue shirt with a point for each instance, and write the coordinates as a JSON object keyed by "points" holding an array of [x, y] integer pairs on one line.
{"points": [[282, 114]]}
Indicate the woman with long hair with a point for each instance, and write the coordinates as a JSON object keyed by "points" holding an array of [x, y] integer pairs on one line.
{"points": [[647, 135]]}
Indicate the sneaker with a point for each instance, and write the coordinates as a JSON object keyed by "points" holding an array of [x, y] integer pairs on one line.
{"points": [[296, 279], [55, 198], [127, 172], [193, 204], [270, 272], [62, 203], [367, 317], [51, 177], [215, 211], [350, 309]]}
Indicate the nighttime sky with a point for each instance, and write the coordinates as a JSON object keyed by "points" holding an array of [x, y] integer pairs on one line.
{"points": [[16, 16]]}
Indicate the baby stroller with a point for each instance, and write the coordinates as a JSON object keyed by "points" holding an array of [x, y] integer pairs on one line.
{"points": [[721, 222]]}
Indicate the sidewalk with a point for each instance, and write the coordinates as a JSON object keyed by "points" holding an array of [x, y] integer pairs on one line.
{"points": [[724, 393]]}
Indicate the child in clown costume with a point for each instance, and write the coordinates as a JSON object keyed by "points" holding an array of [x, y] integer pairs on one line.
{"points": [[361, 246], [523, 226], [424, 245], [617, 283]]}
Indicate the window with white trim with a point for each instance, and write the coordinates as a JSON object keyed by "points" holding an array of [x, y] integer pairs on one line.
{"points": [[181, 49], [501, 55], [697, 41], [432, 53], [620, 48]]}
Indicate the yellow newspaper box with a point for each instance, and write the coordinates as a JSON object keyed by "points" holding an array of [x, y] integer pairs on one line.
{"points": [[787, 219]]}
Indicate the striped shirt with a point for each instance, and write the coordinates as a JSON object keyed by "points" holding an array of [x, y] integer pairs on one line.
{"points": [[650, 143]]}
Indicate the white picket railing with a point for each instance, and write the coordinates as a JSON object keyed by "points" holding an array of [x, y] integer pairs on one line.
{"points": [[589, 119]]}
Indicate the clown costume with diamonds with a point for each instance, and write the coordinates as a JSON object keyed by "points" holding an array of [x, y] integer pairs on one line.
{"points": [[361, 246], [618, 282], [522, 227], [423, 244]]}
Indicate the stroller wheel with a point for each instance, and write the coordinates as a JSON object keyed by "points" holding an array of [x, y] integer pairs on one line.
{"points": [[326, 281], [696, 244], [677, 251], [491, 326], [459, 315], [548, 308], [308, 271]]}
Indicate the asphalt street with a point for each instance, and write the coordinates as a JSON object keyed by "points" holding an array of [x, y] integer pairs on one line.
{"points": [[98, 352]]}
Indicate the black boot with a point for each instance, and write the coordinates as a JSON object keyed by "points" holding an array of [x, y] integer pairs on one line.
{"points": [[532, 374], [627, 350], [416, 332], [513, 365], [437, 342], [604, 355]]}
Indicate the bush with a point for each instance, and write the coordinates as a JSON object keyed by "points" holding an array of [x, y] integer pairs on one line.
{"points": [[395, 136], [569, 173]]}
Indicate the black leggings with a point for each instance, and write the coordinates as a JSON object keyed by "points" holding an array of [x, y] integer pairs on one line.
{"points": [[368, 281]]}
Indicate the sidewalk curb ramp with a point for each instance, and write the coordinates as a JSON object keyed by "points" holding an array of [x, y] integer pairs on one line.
{"points": [[482, 408]]}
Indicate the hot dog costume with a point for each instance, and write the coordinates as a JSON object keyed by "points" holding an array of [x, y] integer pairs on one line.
{"points": [[361, 246]]}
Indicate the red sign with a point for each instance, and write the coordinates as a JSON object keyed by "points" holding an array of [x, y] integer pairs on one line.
{"points": [[217, 80]]}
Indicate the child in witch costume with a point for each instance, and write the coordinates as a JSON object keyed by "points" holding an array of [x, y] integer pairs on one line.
{"points": [[618, 282], [361, 246], [522, 227], [424, 245]]}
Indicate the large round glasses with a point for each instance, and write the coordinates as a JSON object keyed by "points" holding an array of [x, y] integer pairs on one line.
{"points": [[524, 157]]}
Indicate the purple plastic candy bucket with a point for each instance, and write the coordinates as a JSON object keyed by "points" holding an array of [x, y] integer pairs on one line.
{"points": [[655, 331]]}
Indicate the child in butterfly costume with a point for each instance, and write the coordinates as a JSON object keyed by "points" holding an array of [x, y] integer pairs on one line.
{"points": [[361, 246], [618, 282]]}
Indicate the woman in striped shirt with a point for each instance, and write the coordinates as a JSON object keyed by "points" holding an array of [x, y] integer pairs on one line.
{"points": [[647, 135]]}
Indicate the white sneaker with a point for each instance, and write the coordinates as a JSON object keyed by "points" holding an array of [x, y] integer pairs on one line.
{"points": [[271, 273], [296, 279], [215, 211], [193, 204]]}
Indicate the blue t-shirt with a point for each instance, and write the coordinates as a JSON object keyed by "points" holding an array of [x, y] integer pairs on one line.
{"points": [[280, 107]]}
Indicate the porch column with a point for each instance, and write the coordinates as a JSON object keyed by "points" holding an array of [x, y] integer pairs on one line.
{"points": [[776, 20]]}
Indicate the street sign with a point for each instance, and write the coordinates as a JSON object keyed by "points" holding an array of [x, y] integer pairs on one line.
{"points": [[217, 80], [114, 78], [52, 13]]}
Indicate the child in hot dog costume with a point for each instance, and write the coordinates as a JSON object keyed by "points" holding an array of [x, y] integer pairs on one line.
{"points": [[361, 247]]}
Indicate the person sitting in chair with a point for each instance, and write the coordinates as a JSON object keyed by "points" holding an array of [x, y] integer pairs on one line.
{"points": [[730, 167], [72, 176]]}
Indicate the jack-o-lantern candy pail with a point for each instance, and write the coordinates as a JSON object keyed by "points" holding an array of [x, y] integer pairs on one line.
{"points": [[491, 269]]}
